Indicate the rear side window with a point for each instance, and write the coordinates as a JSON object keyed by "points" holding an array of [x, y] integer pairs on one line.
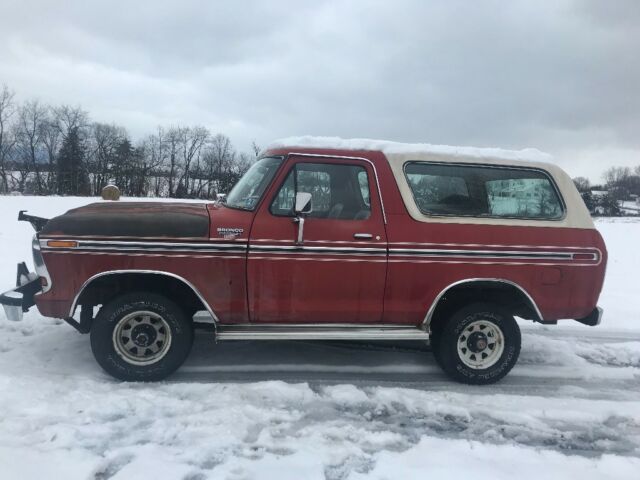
{"points": [[483, 191]]}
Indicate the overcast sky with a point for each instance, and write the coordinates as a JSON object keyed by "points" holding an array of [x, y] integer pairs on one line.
{"points": [[561, 76]]}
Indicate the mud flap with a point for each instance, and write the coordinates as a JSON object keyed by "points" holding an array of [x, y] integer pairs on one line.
{"points": [[593, 319]]}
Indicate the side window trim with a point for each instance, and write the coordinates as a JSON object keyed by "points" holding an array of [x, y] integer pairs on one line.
{"points": [[344, 157], [552, 182]]}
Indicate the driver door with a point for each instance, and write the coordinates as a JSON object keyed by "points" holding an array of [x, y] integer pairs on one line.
{"points": [[337, 274]]}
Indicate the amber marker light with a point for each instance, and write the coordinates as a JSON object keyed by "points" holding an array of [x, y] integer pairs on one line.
{"points": [[62, 244]]}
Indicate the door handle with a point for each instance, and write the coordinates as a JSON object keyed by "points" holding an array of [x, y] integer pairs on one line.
{"points": [[300, 222], [367, 236]]}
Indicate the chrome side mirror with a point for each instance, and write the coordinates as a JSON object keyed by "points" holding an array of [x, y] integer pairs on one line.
{"points": [[303, 203], [301, 208]]}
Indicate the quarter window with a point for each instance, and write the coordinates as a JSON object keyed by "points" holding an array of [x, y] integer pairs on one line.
{"points": [[483, 191], [337, 191], [523, 197]]}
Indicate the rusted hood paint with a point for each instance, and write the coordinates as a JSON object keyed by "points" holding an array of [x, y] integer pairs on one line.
{"points": [[132, 219]]}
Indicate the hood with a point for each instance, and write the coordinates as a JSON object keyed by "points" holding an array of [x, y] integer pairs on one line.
{"points": [[132, 219]]}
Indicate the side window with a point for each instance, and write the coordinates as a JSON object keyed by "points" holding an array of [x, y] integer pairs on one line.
{"points": [[523, 197], [317, 182], [440, 193], [483, 191], [286, 198], [337, 191]]}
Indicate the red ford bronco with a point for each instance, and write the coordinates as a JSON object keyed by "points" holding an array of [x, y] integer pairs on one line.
{"points": [[328, 239]]}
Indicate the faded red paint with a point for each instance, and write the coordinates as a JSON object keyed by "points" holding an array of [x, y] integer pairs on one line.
{"points": [[268, 287]]}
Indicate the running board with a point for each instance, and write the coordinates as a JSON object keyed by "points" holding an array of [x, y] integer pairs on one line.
{"points": [[320, 332]]}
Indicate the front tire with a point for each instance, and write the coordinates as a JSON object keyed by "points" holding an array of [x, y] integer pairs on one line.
{"points": [[141, 337], [479, 344]]}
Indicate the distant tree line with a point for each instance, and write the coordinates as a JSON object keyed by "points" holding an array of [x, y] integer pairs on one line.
{"points": [[621, 184], [47, 150]]}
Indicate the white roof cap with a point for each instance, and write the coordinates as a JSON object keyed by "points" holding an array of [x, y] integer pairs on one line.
{"points": [[388, 147], [398, 154]]}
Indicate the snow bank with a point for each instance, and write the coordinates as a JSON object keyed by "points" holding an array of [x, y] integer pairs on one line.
{"points": [[621, 293], [528, 154], [458, 459]]}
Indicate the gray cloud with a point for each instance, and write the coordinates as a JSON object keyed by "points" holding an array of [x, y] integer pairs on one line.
{"points": [[561, 76]]}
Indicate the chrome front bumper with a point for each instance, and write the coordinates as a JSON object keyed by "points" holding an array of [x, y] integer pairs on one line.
{"points": [[21, 298]]}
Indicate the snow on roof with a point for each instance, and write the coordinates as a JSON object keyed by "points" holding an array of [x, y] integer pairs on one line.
{"points": [[388, 147]]}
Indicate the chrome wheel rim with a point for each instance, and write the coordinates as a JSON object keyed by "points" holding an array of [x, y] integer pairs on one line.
{"points": [[142, 338], [480, 344]]}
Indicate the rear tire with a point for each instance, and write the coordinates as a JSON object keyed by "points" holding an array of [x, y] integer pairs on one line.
{"points": [[141, 337], [479, 344]]}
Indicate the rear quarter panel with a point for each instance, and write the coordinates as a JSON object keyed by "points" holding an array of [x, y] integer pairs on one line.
{"points": [[561, 288]]}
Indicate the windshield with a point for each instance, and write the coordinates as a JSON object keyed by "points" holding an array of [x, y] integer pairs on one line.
{"points": [[247, 192]]}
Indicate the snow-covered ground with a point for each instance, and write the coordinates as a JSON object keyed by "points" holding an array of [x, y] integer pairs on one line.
{"points": [[241, 410], [630, 207]]}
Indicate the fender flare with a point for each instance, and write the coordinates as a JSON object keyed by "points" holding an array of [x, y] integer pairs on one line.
{"points": [[428, 317], [142, 272]]}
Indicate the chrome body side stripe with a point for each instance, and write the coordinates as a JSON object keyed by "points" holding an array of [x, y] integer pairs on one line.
{"points": [[480, 253], [564, 255], [318, 250], [136, 246]]}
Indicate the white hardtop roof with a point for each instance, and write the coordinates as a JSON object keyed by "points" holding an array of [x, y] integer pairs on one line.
{"points": [[398, 154], [396, 148]]}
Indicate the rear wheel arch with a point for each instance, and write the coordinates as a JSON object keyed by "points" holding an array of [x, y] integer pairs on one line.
{"points": [[104, 286], [506, 293]]}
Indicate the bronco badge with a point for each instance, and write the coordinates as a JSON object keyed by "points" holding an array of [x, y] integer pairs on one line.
{"points": [[229, 233]]}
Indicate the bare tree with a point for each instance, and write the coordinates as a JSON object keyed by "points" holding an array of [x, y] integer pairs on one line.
{"points": [[7, 140], [71, 119], [31, 117], [582, 184], [255, 149], [617, 181], [192, 141], [155, 152], [614, 175], [173, 146], [57, 149], [50, 135], [104, 140], [218, 159], [243, 162]]}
